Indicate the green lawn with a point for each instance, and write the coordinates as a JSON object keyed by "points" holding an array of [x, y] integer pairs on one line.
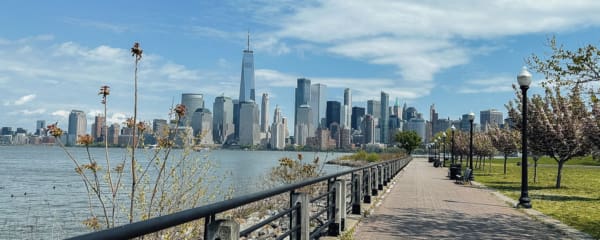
{"points": [[576, 203]]}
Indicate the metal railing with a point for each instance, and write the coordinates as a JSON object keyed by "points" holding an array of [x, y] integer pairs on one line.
{"points": [[363, 182]]}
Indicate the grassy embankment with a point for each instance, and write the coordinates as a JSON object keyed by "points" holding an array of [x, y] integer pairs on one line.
{"points": [[576, 203]]}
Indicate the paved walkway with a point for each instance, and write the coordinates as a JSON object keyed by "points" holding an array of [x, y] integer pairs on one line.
{"points": [[425, 204]]}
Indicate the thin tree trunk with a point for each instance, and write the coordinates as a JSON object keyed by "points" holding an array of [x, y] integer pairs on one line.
{"points": [[505, 158], [559, 175], [535, 164]]}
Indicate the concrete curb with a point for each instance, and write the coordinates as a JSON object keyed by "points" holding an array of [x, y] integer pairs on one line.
{"points": [[537, 215]]}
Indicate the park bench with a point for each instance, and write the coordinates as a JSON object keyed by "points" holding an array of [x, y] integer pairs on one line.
{"points": [[466, 177]]}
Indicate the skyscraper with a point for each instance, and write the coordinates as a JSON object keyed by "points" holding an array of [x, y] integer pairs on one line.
{"points": [[358, 114], [278, 130], [303, 128], [397, 111], [333, 113], [385, 116], [302, 97], [347, 109], [97, 126], [192, 101], [369, 129], [202, 126], [318, 103], [40, 125], [223, 128], [236, 118], [247, 78], [77, 126], [491, 117], [374, 108], [249, 129], [264, 113]]}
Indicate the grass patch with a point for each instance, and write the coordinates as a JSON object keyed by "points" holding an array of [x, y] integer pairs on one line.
{"points": [[585, 161], [372, 157], [576, 203]]}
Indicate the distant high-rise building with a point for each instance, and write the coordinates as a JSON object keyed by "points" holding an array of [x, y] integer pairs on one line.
{"points": [[277, 130], [318, 103], [202, 126], [302, 97], [247, 90], [385, 116], [417, 125], [40, 125], [304, 128], [370, 129], [77, 126], [491, 117], [397, 110], [158, 126], [249, 128], [333, 113], [374, 108], [97, 126], [410, 113], [264, 113], [236, 118], [113, 134], [192, 101], [223, 127], [358, 114], [347, 109]]}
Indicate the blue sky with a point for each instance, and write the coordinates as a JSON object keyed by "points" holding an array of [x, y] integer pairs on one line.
{"points": [[461, 56]]}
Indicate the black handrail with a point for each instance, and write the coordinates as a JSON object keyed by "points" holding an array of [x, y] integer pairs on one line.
{"points": [[159, 223]]}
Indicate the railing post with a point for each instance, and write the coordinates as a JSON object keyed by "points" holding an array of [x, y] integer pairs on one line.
{"points": [[301, 217], [223, 230], [336, 227], [385, 174], [379, 178], [367, 185], [356, 193], [374, 181], [333, 228]]}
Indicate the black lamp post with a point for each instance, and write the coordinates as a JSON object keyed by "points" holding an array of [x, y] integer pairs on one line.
{"points": [[453, 128], [444, 149], [471, 118], [524, 79]]}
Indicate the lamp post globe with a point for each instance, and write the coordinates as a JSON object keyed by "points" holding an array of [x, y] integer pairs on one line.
{"points": [[471, 119], [524, 80]]}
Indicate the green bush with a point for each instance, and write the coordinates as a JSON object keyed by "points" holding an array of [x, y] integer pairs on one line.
{"points": [[372, 157]]}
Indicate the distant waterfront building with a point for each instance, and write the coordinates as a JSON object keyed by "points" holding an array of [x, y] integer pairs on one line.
{"points": [[417, 125], [97, 126], [77, 126], [302, 94], [278, 128], [40, 125], [358, 115], [113, 134], [202, 126], [223, 128], [249, 128], [303, 128], [333, 113], [491, 117], [192, 101], [374, 108], [385, 116], [318, 103], [236, 119], [410, 113], [397, 110], [7, 131], [369, 129], [158, 126], [264, 113], [247, 91], [347, 109]]}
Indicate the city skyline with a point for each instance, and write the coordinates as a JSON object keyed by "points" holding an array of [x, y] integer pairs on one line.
{"points": [[54, 61]]}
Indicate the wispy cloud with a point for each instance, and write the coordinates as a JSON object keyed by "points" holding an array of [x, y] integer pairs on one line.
{"points": [[22, 100], [117, 28]]}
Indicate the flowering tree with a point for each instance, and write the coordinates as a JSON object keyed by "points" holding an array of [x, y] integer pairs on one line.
{"points": [[482, 148], [506, 141], [557, 125]]}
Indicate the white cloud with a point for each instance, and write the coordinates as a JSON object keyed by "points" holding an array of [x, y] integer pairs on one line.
{"points": [[24, 99], [96, 24], [33, 112], [61, 113], [488, 85]]}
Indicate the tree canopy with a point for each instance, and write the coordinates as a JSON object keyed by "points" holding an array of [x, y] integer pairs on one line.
{"points": [[408, 140]]}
